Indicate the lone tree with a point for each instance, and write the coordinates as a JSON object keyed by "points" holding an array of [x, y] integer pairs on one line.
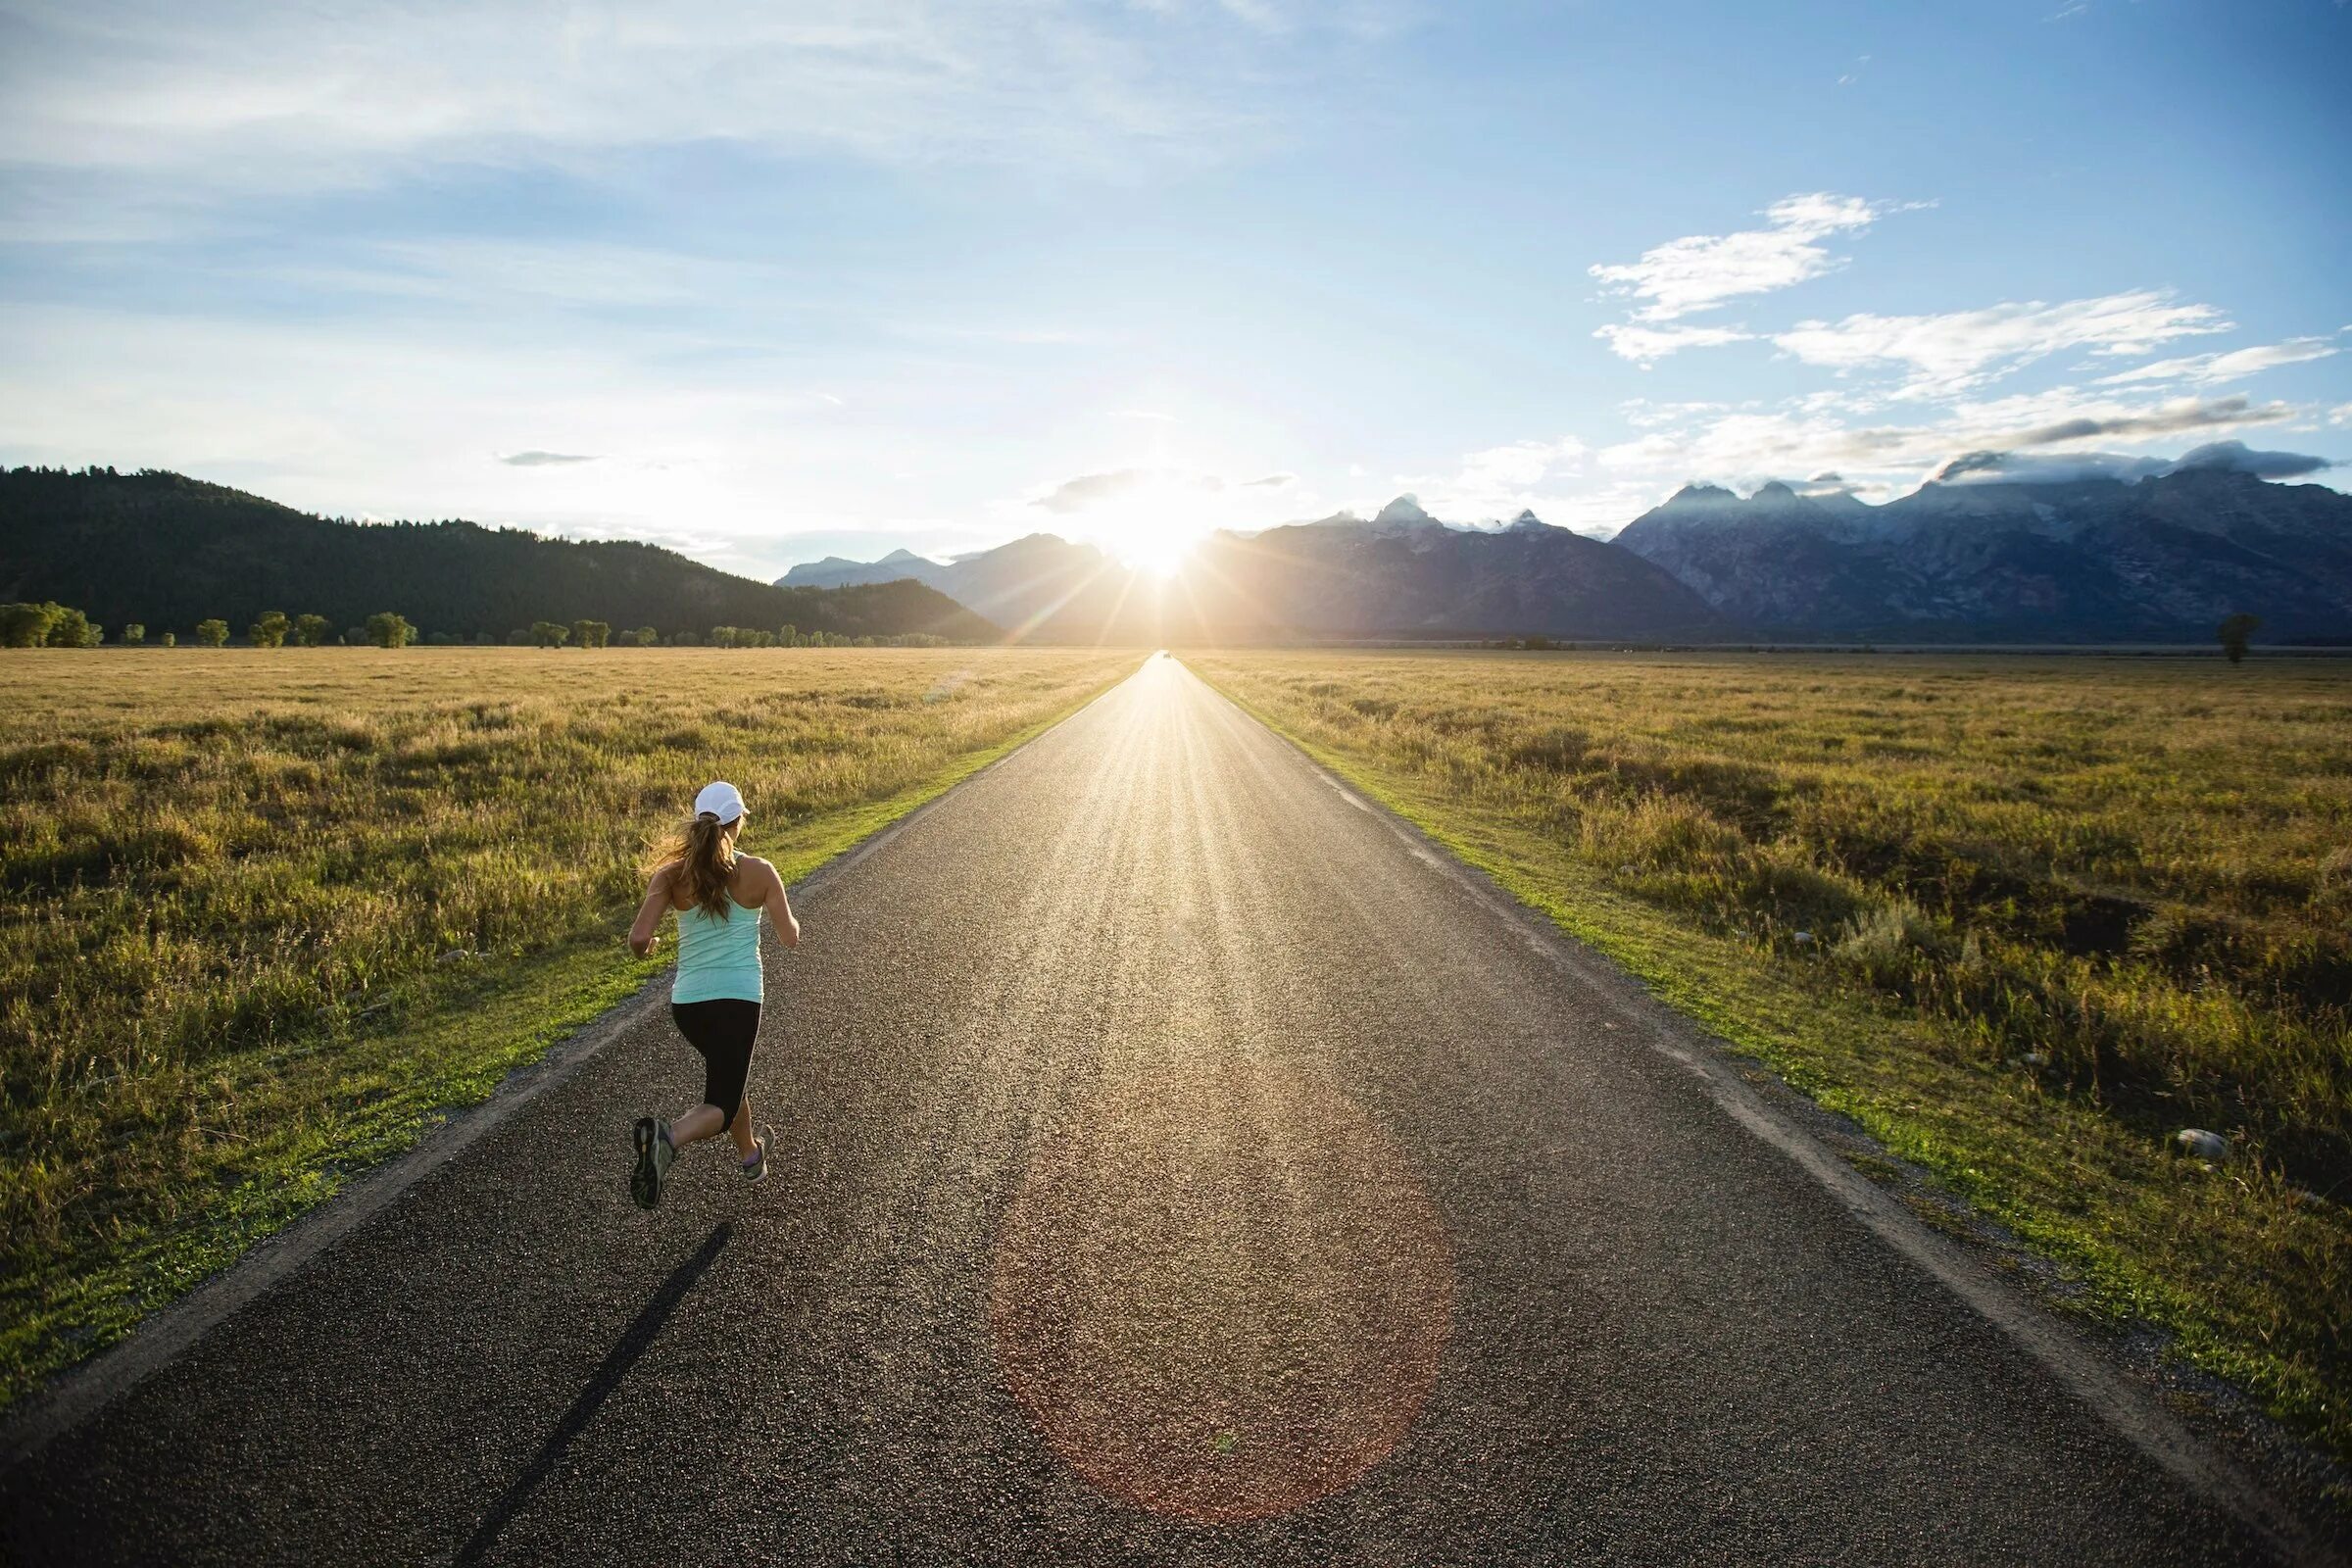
{"points": [[134, 633], [646, 636], [387, 630], [211, 633], [548, 634], [2235, 632], [591, 633], [314, 631], [270, 630]]}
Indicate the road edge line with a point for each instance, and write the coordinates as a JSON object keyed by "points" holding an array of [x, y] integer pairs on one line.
{"points": [[2117, 1399], [78, 1394]]}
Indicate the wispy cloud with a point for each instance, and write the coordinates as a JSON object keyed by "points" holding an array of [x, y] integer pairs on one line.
{"points": [[1646, 345], [1702, 271], [1088, 489], [1271, 482], [2234, 365], [545, 459], [280, 96], [1958, 351]]}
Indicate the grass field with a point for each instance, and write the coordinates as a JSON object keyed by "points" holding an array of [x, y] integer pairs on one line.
{"points": [[2024, 919], [270, 913]]}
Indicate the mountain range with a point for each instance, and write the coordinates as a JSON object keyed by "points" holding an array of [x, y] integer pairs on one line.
{"points": [[2094, 559], [1967, 558], [1400, 575], [170, 550]]}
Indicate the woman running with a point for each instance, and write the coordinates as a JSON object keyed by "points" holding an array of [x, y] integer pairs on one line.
{"points": [[715, 999]]}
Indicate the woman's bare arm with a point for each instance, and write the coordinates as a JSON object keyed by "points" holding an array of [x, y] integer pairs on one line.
{"points": [[642, 939], [779, 905]]}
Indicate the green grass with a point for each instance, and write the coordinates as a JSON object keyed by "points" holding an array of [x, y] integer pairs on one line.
{"points": [[271, 915], [2051, 911]]}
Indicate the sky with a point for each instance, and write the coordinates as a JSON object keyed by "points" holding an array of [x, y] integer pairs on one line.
{"points": [[769, 281]]}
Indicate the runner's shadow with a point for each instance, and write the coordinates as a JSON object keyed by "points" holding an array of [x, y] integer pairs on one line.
{"points": [[632, 1345]]}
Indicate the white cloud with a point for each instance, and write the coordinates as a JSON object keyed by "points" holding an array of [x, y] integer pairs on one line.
{"points": [[1701, 271], [1521, 464], [1646, 345], [1644, 414], [1960, 350], [2229, 366], [1500, 481], [2341, 414]]}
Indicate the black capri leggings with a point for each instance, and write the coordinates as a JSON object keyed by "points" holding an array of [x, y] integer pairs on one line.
{"points": [[724, 1030]]}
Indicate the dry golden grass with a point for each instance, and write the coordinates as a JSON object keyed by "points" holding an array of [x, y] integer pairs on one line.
{"points": [[267, 909], [2025, 918]]}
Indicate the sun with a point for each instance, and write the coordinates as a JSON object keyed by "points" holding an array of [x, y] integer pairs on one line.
{"points": [[1156, 531], [1159, 556]]}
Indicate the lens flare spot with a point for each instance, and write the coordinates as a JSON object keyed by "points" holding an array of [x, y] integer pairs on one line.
{"points": [[1221, 1292]]}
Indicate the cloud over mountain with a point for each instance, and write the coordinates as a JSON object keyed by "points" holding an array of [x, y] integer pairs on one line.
{"points": [[545, 459], [2236, 456]]}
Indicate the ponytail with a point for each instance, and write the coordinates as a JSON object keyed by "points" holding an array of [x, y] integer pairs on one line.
{"points": [[705, 859]]}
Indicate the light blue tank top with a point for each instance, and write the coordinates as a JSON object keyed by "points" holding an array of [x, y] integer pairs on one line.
{"points": [[718, 958]]}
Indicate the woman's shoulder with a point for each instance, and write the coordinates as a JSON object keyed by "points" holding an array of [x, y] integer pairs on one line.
{"points": [[662, 876]]}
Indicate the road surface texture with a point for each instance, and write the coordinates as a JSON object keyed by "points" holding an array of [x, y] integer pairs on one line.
{"points": [[1174, 1162]]}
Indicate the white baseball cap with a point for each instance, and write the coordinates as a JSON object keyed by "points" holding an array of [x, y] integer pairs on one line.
{"points": [[721, 800]]}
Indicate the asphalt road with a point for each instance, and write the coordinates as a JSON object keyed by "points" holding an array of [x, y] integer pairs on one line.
{"points": [[1175, 1162]]}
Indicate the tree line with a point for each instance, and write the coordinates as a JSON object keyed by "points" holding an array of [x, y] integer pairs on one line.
{"points": [[172, 550], [49, 625]]}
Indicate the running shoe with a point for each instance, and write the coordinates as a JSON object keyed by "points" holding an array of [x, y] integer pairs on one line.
{"points": [[654, 1155], [755, 1169]]}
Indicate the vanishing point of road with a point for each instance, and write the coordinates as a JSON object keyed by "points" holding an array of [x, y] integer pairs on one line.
{"points": [[1175, 1161]]}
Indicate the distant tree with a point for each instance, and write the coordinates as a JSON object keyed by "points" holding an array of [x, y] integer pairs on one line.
{"points": [[591, 633], [2235, 634], [519, 638], [270, 630], [388, 630], [549, 634], [24, 625], [685, 639], [646, 637], [70, 629], [355, 637], [789, 635], [442, 639], [170, 639], [134, 633], [211, 633], [314, 631]]}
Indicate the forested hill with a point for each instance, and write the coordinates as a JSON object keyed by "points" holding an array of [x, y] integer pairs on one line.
{"points": [[170, 550]]}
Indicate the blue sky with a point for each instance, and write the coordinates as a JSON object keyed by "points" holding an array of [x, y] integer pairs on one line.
{"points": [[769, 282]]}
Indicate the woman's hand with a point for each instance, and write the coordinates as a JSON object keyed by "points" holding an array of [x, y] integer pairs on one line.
{"points": [[642, 935]]}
